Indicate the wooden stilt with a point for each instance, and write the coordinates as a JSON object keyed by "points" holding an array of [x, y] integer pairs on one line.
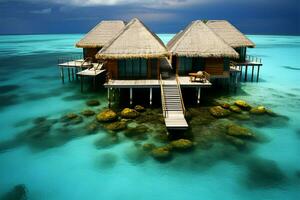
{"points": [[150, 96], [130, 96], [108, 97], [246, 73], [252, 73], [76, 71], [69, 74], [199, 95], [94, 82], [81, 83], [258, 67], [241, 69], [72, 74], [62, 75], [236, 82]]}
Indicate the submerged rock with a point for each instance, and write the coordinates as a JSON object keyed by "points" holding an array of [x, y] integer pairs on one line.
{"points": [[88, 113], [92, 127], [129, 113], [241, 116], [106, 141], [219, 112], [260, 110], [239, 131], [161, 153], [139, 108], [106, 116], [116, 126], [148, 146], [225, 105], [138, 132], [242, 104], [235, 109], [71, 119], [19, 192], [239, 143], [93, 102], [182, 144]]}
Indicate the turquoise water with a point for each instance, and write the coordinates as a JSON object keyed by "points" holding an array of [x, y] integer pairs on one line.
{"points": [[73, 168]]}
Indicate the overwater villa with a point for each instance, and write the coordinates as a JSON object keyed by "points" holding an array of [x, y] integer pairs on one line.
{"points": [[132, 57]]}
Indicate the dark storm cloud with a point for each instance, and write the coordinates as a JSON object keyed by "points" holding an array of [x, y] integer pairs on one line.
{"points": [[163, 16]]}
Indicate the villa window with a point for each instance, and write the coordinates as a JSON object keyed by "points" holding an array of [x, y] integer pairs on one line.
{"points": [[185, 65], [226, 64], [132, 68]]}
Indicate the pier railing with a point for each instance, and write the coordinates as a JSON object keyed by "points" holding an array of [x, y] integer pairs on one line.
{"points": [[250, 58], [163, 101], [180, 94], [66, 59]]}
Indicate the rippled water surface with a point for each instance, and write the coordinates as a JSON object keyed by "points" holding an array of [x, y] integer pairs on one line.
{"points": [[56, 160]]}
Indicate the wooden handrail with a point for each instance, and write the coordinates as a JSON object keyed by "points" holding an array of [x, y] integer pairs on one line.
{"points": [[180, 94], [162, 96]]}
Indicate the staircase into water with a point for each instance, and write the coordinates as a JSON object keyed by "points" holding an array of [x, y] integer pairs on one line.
{"points": [[172, 104]]}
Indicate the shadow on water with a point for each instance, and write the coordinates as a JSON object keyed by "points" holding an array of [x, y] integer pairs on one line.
{"points": [[19, 192], [106, 161], [8, 100], [8, 88], [49, 133], [291, 68], [263, 173], [135, 155]]}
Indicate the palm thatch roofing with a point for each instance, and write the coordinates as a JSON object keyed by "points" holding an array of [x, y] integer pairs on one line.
{"points": [[230, 34], [198, 40], [134, 41], [101, 34]]}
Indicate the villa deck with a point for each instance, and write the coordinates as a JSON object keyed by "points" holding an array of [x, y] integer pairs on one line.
{"points": [[153, 83]]}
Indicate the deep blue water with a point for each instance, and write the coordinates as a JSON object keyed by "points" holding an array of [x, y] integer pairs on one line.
{"points": [[30, 87]]}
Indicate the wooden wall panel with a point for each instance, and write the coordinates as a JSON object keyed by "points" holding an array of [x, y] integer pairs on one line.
{"points": [[214, 66], [112, 68]]}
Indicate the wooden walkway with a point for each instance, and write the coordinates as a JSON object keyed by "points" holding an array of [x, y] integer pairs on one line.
{"points": [[172, 104]]}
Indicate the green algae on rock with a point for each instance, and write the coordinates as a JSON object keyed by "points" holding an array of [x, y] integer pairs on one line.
{"points": [[161, 153], [128, 113], [88, 113], [116, 126], [225, 105], [182, 144], [237, 142], [107, 115], [242, 104], [71, 119], [92, 127], [138, 132], [239, 131], [93, 102], [148, 146], [260, 110], [139, 108], [235, 109], [219, 112]]}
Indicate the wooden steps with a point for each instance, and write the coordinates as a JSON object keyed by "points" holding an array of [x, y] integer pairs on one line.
{"points": [[172, 105]]}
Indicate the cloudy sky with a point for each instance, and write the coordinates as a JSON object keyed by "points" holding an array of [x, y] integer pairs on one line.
{"points": [[162, 16]]}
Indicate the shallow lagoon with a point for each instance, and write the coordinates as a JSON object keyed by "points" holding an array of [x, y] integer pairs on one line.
{"points": [[75, 168]]}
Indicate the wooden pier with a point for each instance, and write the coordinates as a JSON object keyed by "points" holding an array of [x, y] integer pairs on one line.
{"points": [[251, 62], [80, 68]]}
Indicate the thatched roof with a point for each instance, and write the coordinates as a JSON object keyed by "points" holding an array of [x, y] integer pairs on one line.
{"points": [[230, 34], [101, 34], [197, 40], [134, 41]]}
